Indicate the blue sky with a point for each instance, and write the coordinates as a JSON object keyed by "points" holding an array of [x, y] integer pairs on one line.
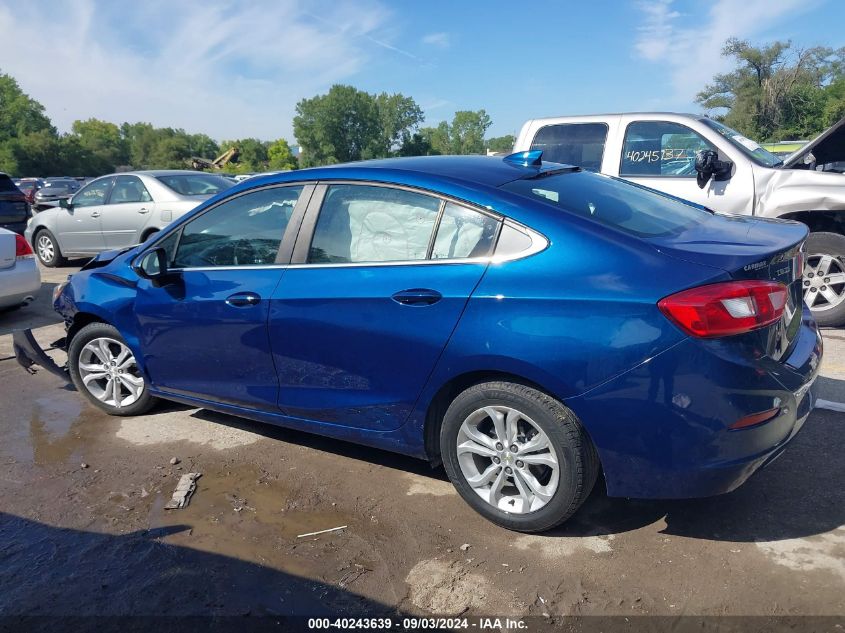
{"points": [[237, 69]]}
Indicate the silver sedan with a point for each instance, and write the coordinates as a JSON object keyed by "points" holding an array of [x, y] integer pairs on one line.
{"points": [[19, 276], [117, 211]]}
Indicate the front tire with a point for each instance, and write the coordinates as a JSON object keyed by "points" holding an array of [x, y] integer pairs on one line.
{"points": [[47, 249], [104, 370], [824, 277], [517, 456]]}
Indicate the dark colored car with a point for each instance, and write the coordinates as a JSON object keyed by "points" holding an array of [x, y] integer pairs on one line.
{"points": [[29, 186], [55, 189], [14, 209], [527, 324]]}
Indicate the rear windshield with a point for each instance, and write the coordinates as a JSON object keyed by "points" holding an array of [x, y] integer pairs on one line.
{"points": [[636, 210], [196, 184]]}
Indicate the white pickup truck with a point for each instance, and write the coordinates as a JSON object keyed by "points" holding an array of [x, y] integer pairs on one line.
{"points": [[701, 160]]}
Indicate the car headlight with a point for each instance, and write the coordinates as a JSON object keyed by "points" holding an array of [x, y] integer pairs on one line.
{"points": [[58, 290]]}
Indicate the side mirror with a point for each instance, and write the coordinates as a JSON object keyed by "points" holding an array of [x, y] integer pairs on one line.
{"points": [[65, 203], [152, 265], [707, 165]]}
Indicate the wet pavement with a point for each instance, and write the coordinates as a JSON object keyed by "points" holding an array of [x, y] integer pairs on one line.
{"points": [[78, 540]]}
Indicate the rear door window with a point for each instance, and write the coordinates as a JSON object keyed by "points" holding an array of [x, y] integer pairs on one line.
{"points": [[129, 189], [580, 144], [660, 149]]}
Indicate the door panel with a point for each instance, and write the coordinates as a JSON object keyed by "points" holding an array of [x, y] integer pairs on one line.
{"points": [[196, 343], [121, 224], [349, 352], [79, 229]]}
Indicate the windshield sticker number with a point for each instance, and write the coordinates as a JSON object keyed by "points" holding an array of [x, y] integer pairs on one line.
{"points": [[656, 155]]}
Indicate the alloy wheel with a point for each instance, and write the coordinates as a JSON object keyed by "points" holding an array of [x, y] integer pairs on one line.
{"points": [[46, 249], [109, 372], [507, 459], [824, 282]]}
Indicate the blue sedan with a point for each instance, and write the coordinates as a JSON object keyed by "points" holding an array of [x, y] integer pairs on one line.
{"points": [[526, 324]]}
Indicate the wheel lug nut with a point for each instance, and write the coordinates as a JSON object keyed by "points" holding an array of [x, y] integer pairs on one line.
{"points": [[812, 290], [520, 463], [514, 448], [810, 275], [499, 446], [508, 470], [827, 280], [824, 287], [806, 282], [496, 460]]}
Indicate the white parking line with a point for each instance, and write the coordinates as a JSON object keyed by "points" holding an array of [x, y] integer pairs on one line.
{"points": [[830, 406]]}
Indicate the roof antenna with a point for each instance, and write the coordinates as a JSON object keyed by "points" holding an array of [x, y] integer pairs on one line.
{"points": [[526, 159]]}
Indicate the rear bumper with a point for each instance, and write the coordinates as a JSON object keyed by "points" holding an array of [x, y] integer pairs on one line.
{"points": [[20, 283], [661, 430]]}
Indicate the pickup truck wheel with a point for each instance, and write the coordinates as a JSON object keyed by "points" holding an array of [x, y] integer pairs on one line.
{"points": [[47, 249], [824, 277]]}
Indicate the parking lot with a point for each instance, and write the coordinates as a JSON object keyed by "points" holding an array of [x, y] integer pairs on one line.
{"points": [[83, 528]]}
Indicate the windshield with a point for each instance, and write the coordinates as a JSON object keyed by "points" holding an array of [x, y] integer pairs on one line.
{"points": [[745, 145], [196, 184], [613, 202]]}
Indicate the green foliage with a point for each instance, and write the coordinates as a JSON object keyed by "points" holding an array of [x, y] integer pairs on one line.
{"points": [[349, 124], [501, 143], [778, 92], [280, 156], [464, 135]]}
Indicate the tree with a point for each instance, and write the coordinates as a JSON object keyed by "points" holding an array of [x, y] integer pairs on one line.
{"points": [[776, 91], [467, 131], [20, 117], [465, 135], [349, 124], [103, 143], [501, 143], [399, 117], [280, 156], [337, 127]]}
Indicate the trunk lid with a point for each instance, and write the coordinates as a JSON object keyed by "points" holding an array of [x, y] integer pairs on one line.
{"points": [[749, 248], [7, 249]]}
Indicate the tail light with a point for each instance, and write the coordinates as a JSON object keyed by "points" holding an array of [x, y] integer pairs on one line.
{"points": [[725, 309], [22, 249]]}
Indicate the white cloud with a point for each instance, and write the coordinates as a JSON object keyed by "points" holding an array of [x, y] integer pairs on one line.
{"points": [[439, 40], [690, 45], [656, 29], [230, 70]]}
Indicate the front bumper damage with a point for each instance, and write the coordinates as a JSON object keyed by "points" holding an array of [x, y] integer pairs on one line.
{"points": [[29, 353]]}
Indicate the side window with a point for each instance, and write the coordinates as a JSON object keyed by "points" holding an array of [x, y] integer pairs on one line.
{"points": [[129, 189], [93, 193], [244, 231], [363, 223], [660, 149], [463, 233], [580, 144]]}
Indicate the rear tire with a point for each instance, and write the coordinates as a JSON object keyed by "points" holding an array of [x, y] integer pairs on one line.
{"points": [[525, 496], [826, 300], [47, 250], [104, 370]]}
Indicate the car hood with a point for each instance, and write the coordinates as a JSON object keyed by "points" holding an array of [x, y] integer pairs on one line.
{"points": [[827, 147], [106, 257]]}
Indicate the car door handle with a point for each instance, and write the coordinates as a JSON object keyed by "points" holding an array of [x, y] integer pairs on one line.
{"points": [[417, 297], [243, 300], [143, 210], [95, 214]]}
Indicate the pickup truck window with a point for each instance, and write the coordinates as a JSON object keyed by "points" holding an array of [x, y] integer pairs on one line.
{"points": [[655, 149], [622, 205], [580, 144], [746, 146]]}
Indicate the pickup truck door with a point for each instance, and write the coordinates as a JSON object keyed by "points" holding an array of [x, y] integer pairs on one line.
{"points": [[661, 155]]}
